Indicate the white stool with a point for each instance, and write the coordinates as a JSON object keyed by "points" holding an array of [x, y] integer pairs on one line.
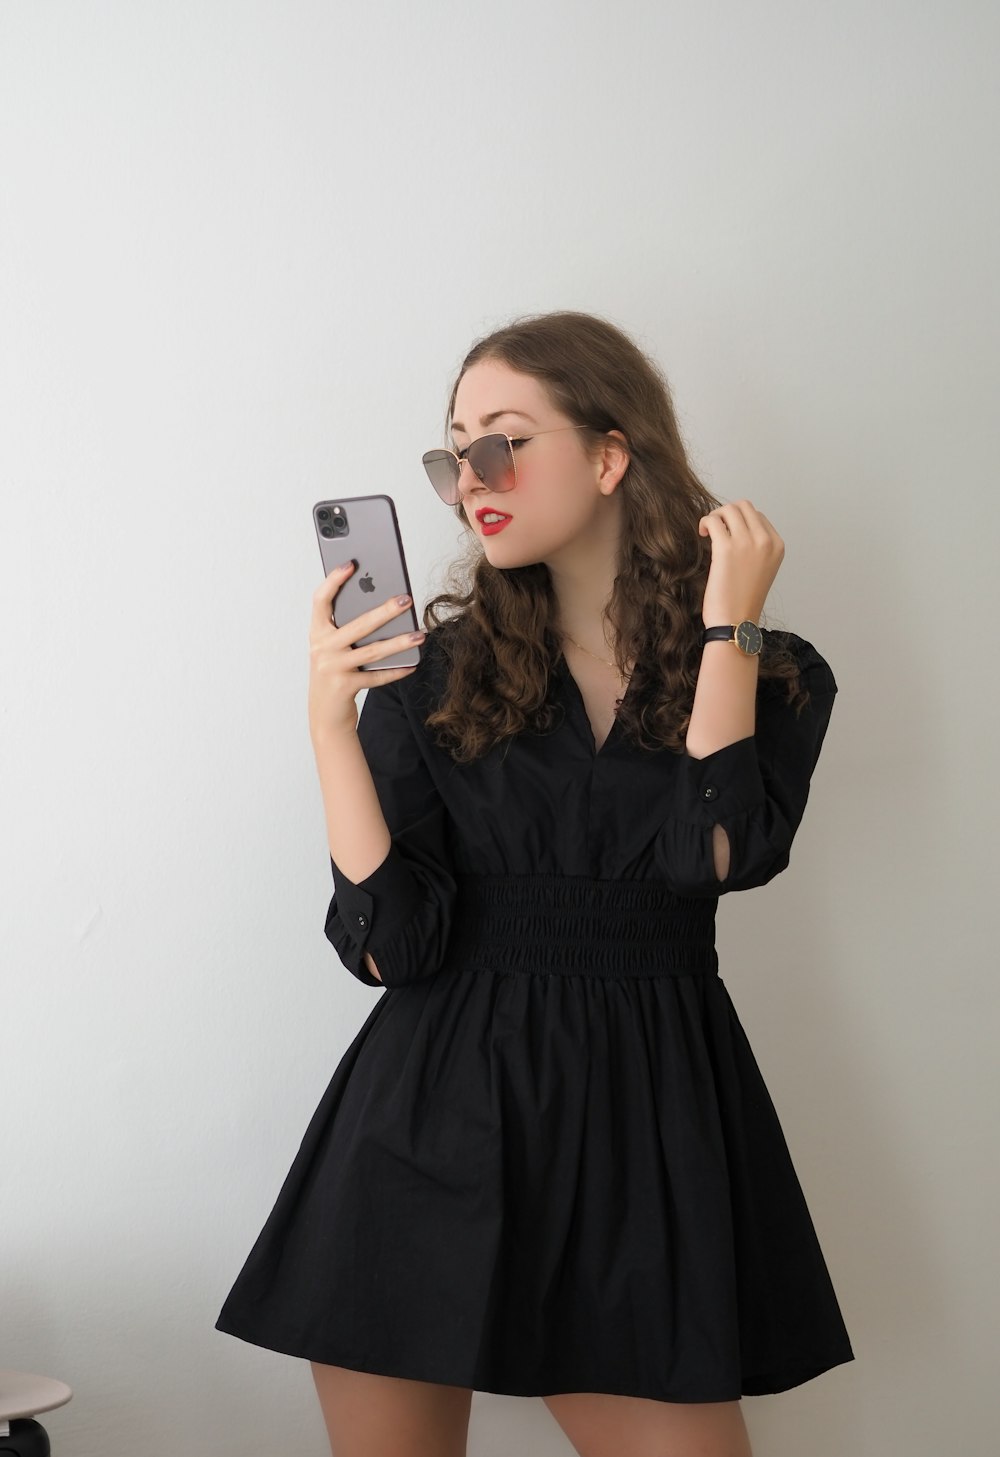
{"points": [[22, 1394]]}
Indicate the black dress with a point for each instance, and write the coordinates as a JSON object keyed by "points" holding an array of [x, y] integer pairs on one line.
{"points": [[548, 1161]]}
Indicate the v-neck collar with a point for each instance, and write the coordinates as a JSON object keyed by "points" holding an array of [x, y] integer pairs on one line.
{"points": [[573, 687]]}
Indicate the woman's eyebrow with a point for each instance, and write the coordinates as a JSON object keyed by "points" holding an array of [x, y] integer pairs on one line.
{"points": [[495, 415]]}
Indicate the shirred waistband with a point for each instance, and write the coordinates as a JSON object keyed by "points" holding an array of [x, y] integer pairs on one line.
{"points": [[573, 925]]}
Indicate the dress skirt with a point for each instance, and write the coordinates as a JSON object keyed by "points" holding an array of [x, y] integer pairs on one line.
{"points": [[553, 1166]]}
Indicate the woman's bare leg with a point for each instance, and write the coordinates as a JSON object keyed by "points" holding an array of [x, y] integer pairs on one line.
{"points": [[389, 1416], [631, 1426]]}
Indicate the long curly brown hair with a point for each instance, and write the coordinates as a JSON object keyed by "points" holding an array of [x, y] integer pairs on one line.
{"points": [[500, 643]]}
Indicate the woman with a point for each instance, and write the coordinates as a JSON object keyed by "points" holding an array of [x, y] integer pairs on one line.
{"points": [[548, 1164]]}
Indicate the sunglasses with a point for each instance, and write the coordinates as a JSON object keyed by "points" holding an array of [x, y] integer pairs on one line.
{"points": [[491, 458]]}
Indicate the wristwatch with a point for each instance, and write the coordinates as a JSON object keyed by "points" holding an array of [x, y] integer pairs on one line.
{"points": [[746, 635]]}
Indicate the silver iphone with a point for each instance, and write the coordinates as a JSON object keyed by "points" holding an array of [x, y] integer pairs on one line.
{"points": [[365, 528]]}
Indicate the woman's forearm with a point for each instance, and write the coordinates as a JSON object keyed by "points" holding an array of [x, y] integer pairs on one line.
{"points": [[725, 699]]}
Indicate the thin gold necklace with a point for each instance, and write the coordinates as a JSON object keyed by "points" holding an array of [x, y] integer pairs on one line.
{"points": [[627, 677], [594, 655]]}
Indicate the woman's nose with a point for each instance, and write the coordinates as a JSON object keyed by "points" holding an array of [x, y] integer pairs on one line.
{"points": [[471, 481]]}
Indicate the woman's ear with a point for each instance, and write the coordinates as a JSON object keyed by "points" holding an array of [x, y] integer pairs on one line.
{"points": [[614, 460]]}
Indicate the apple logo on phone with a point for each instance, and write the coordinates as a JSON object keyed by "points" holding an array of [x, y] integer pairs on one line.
{"points": [[365, 583]]}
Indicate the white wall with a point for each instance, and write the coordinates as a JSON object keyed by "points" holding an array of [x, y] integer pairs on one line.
{"points": [[244, 248]]}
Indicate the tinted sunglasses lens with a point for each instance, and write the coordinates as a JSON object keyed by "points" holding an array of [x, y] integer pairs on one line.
{"points": [[492, 460], [442, 472], [490, 457]]}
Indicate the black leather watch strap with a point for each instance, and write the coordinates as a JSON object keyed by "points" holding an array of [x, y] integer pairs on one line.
{"points": [[745, 635]]}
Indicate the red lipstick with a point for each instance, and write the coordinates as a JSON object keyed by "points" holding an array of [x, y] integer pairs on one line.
{"points": [[491, 528]]}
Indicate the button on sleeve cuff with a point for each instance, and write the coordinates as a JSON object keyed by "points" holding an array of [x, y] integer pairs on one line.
{"points": [[372, 911], [721, 784]]}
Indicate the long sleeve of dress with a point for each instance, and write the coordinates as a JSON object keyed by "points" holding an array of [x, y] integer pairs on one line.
{"points": [[756, 789], [402, 912]]}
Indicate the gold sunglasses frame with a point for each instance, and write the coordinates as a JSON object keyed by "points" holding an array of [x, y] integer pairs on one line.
{"points": [[510, 439]]}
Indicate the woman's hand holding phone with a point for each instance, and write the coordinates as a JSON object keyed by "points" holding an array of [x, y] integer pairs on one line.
{"points": [[335, 678]]}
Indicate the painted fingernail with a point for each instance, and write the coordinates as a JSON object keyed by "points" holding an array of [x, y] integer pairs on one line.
{"points": [[403, 600]]}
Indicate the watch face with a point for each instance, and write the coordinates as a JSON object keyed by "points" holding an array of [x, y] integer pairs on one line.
{"points": [[749, 638]]}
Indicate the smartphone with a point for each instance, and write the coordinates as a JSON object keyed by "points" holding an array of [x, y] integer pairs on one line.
{"points": [[365, 528]]}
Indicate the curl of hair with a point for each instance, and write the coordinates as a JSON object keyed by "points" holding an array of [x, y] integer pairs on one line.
{"points": [[500, 640]]}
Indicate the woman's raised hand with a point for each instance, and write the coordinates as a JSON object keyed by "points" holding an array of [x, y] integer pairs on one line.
{"points": [[746, 555], [335, 678]]}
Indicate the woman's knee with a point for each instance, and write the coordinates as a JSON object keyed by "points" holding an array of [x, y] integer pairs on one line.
{"points": [[369, 1415]]}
